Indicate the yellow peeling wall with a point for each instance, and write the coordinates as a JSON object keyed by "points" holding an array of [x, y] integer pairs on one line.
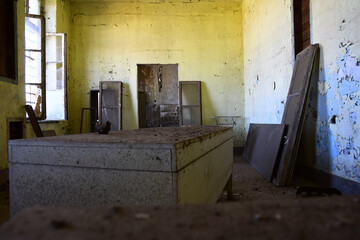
{"points": [[57, 16], [205, 38], [268, 58], [12, 95]]}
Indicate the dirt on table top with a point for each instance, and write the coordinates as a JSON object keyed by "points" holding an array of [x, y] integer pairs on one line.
{"points": [[159, 135]]}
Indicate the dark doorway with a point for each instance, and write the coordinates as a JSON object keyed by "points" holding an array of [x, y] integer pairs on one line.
{"points": [[16, 130], [158, 101], [301, 24]]}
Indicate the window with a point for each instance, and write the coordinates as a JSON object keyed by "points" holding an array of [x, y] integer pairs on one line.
{"points": [[8, 45], [56, 76], [35, 58], [45, 66]]}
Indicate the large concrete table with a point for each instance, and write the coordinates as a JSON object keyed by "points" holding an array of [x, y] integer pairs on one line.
{"points": [[151, 166]]}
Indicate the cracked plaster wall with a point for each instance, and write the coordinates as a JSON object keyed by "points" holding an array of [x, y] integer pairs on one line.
{"points": [[109, 39], [332, 128], [268, 58], [331, 137], [13, 95]]}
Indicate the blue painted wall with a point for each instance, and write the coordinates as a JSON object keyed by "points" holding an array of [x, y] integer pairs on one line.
{"points": [[331, 139]]}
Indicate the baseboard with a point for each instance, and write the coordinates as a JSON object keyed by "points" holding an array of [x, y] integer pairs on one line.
{"points": [[4, 176], [345, 186]]}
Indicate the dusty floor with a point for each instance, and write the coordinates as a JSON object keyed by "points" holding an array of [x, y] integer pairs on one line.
{"points": [[248, 184], [260, 210], [311, 218]]}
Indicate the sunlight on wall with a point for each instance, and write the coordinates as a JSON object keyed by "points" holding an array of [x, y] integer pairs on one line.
{"points": [[204, 38], [335, 102], [13, 95], [268, 58]]}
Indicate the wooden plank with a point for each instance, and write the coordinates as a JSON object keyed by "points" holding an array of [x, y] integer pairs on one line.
{"points": [[33, 121], [262, 147], [294, 112]]}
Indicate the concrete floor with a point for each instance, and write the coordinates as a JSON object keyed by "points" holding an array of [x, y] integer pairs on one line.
{"points": [[260, 210]]}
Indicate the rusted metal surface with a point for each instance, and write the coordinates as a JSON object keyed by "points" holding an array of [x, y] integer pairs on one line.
{"points": [[142, 109], [159, 84], [169, 115], [262, 147], [294, 112]]}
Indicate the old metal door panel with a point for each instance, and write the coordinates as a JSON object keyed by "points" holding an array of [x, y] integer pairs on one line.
{"points": [[169, 90], [148, 84], [262, 147], [294, 112], [159, 83], [169, 116], [142, 109]]}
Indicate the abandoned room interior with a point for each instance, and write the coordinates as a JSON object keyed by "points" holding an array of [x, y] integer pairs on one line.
{"points": [[189, 119]]}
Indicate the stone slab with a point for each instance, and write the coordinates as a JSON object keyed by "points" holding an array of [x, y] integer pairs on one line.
{"points": [[133, 167]]}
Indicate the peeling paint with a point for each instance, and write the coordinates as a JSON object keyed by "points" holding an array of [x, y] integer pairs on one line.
{"points": [[200, 36], [338, 144], [323, 87], [267, 58], [332, 131]]}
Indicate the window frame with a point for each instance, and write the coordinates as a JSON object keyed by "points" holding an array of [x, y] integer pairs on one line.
{"points": [[43, 65], [64, 62]]}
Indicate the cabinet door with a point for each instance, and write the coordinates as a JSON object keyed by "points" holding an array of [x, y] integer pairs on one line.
{"points": [[158, 100], [190, 103], [111, 104]]}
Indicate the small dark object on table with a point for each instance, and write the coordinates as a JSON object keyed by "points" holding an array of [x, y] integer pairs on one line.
{"points": [[103, 129]]}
